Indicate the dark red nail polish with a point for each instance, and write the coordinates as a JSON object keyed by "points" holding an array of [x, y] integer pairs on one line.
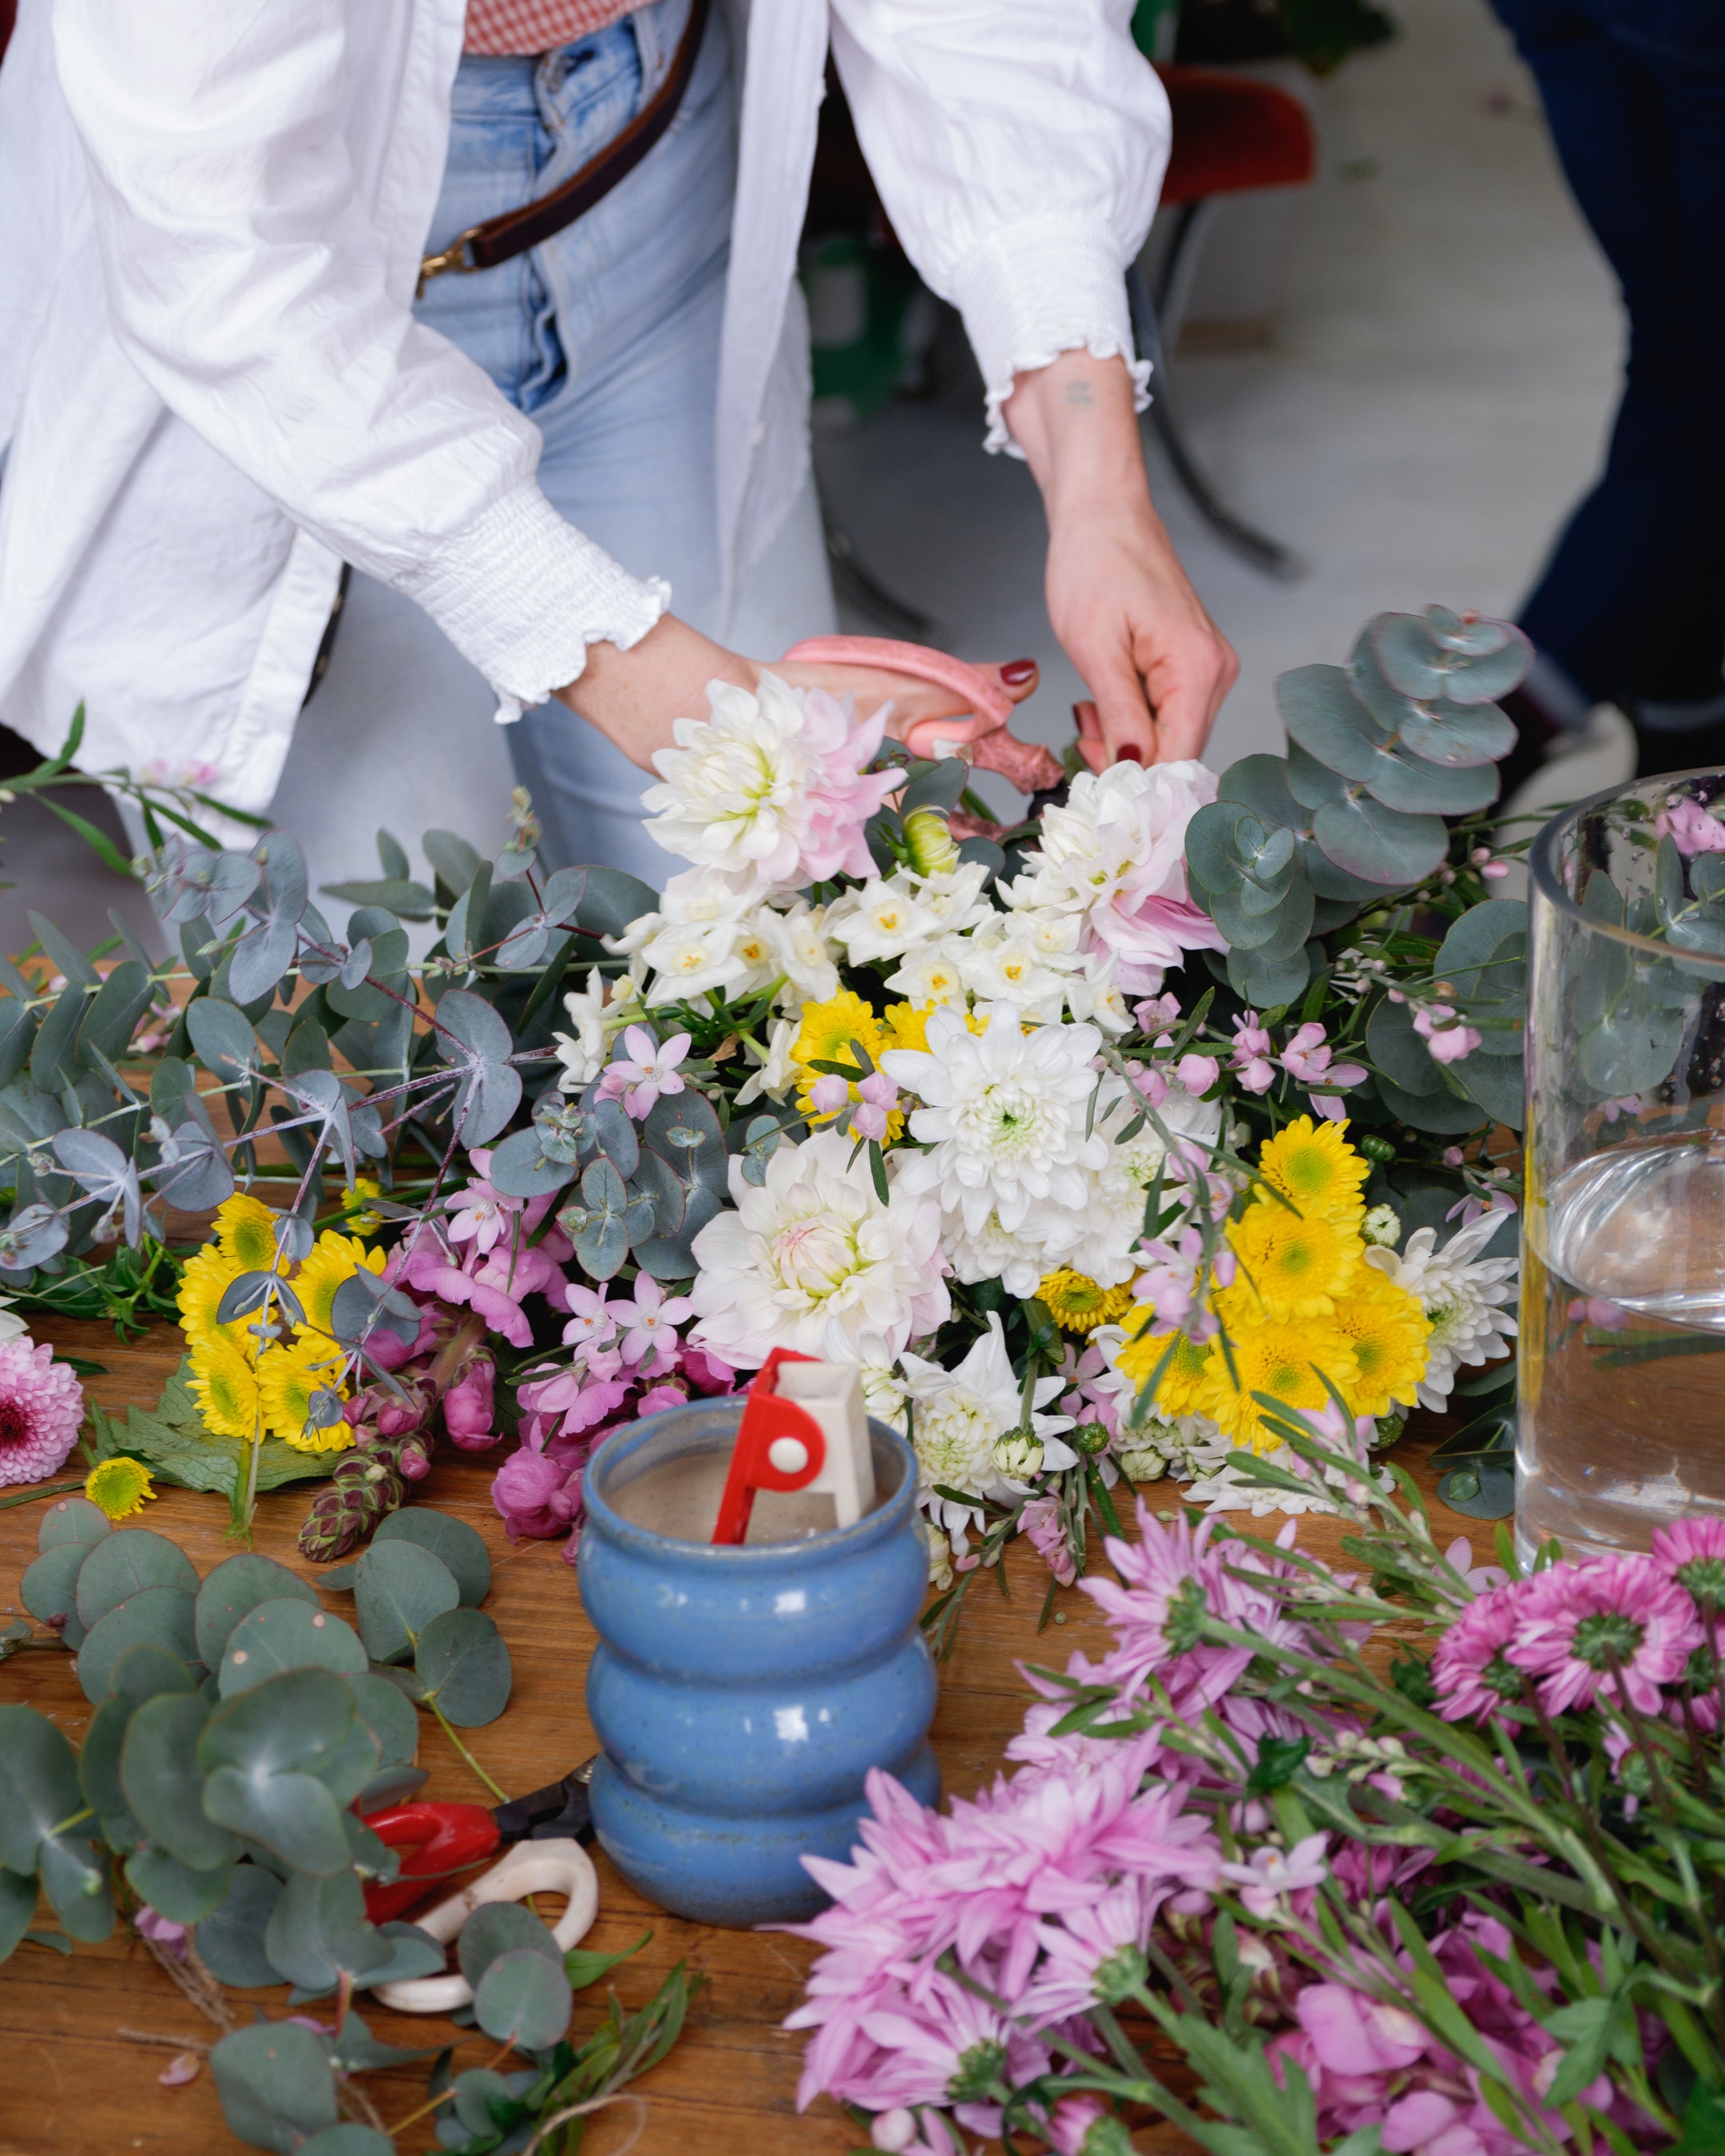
{"points": [[1018, 673], [1130, 752]]}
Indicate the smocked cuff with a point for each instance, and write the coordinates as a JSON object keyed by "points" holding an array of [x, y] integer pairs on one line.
{"points": [[1030, 292], [521, 594]]}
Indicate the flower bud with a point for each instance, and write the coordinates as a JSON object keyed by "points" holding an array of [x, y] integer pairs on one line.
{"points": [[928, 841], [1090, 1437], [1381, 1226], [1019, 1455], [1146, 1466]]}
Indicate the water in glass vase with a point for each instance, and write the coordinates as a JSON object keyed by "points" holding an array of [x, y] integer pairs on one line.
{"points": [[1622, 1413]]}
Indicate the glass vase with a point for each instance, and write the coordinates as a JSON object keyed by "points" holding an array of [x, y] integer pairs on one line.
{"points": [[1622, 1424]]}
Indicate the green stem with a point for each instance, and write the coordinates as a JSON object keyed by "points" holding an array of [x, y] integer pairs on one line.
{"points": [[29, 1496], [448, 1728]]}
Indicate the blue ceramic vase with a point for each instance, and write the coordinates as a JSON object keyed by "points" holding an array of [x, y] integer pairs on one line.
{"points": [[743, 1693]]}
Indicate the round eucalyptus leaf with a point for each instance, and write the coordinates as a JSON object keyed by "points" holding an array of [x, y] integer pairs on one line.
{"points": [[287, 1634], [164, 1783], [17, 1908], [74, 1877], [317, 1933], [266, 1753], [99, 1759], [1496, 1083], [524, 2000], [479, 2089], [72, 1520], [1380, 843], [230, 1941], [1260, 783], [1266, 982], [390, 1785], [174, 1890], [233, 1590], [1420, 788], [1334, 883], [398, 1590], [38, 1784], [1484, 1491], [145, 1671], [460, 1547], [500, 1928], [1423, 659], [391, 1718], [1397, 1052], [1444, 1113], [124, 1565], [412, 1953], [463, 1664], [348, 2139], [1457, 736], [276, 2085], [50, 1589], [155, 1616]]}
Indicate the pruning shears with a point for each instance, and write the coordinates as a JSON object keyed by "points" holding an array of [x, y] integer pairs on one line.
{"points": [[441, 1839]]}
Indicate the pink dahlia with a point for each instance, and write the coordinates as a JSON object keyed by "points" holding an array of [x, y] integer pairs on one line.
{"points": [[1473, 1675], [1616, 1627], [41, 1412]]}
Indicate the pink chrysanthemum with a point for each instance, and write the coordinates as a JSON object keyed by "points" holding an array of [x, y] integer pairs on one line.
{"points": [[1693, 1551], [1473, 1675], [41, 1411], [1617, 1627]]}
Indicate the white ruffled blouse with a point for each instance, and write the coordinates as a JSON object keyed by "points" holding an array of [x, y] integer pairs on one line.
{"points": [[213, 391]]}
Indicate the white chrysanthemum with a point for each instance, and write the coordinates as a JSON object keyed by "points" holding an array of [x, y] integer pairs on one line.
{"points": [[1461, 1292], [1018, 1262], [956, 1415], [933, 974], [1099, 1237], [811, 1260], [1003, 1115]]}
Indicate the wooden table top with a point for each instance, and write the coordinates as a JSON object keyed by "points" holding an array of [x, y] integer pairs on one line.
{"points": [[75, 2084]]}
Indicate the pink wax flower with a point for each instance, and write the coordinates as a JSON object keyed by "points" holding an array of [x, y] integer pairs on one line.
{"points": [[1274, 1873], [470, 1411], [650, 1322], [1156, 1014], [647, 1074], [1307, 1059], [479, 1215], [1696, 829], [1618, 1626], [592, 1322], [1447, 1040], [1595, 1310], [1251, 1053], [1041, 1521], [166, 1933], [1197, 1073], [880, 1097], [41, 1412]]}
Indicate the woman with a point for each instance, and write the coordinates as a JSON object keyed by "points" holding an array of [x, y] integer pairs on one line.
{"points": [[218, 386]]}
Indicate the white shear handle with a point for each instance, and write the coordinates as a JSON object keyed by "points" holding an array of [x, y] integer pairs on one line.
{"points": [[531, 1867]]}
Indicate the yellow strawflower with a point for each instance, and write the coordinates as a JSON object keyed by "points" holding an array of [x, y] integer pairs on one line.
{"points": [[332, 1259], [1183, 1377], [1279, 1357], [225, 1387], [287, 1378], [1389, 1331], [245, 1234], [119, 1486], [1298, 1265], [1313, 1166], [1077, 1304]]}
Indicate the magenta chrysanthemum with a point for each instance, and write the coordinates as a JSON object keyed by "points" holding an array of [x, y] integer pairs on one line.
{"points": [[1693, 1552], [1618, 1627], [1473, 1675], [41, 1411]]}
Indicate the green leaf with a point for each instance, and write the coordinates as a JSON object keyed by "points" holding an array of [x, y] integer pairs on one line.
{"points": [[233, 1590], [1496, 1084], [72, 1520], [38, 1784], [583, 1968], [1378, 844], [389, 1716], [119, 1567], [500, 1928], [230, 1942], [17, 1908], [459, 1546], [287, 1634], [280, 1763], [276, 2085], [164, 1783], [74, 1877], [398, 1590], [171, 1439], [157, 1617], [50, 1589], [318, 1933], [174, 1889], [464, 1666], [524, 1999], [1585, 2026]]}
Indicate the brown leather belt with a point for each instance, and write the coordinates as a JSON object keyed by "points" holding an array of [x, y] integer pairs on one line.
{"points": [[498, 238]]}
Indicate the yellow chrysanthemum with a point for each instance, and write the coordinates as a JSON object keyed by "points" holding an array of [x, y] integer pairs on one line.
{"points": [[828, 1034], [120, 1487], [287, 1378], [1078, 1305], [1298, 1265], [207, 1275], [225, 1387], [1281, 1358], [245, 1234], [357, 1206], [1184, 1374], [1314, 1167], [333, 1258], [903, 1025], [1389, 1331]]}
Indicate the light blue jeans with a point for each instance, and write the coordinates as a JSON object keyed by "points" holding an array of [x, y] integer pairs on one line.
{"points": [[607, 338]]}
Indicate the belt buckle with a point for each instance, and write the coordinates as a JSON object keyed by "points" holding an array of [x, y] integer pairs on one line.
{"points": [[456, 256]]}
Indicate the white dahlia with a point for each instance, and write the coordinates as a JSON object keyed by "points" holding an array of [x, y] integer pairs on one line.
{"points": [[1461, 1293], [811, 1260], [1002, 1117], [957, 1415]]}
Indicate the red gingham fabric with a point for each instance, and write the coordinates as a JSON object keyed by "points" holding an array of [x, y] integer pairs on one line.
{"points": [[537, 26]]}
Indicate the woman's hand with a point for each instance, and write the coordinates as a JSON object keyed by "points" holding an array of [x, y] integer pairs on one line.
{"points": [[633, 697], [1156, 665]]}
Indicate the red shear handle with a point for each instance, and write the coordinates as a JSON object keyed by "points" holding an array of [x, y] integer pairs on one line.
{"points": [[441, 1839], [1025, 765], [779, 1446]]}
